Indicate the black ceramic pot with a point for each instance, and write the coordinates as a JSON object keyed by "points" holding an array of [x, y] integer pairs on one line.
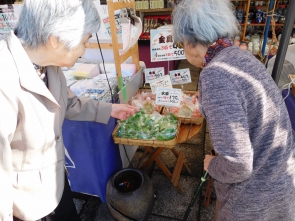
{"points": [[130, 195]]}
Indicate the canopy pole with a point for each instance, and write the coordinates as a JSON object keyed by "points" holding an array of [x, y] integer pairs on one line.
{"points": [[284, 42]]}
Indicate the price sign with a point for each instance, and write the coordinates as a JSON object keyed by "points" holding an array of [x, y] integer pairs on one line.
{"points": [[163, 82], [168, 96], [182, 76], [163, 47], [7, 19], [153, 73]]}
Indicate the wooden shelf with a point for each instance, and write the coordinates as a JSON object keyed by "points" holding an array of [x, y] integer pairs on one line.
{"points": [[156, 10], [263, 24], [103, 45], [256, 24]]}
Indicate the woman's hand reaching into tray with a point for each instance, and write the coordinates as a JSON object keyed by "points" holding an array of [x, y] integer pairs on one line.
{"points": [[123, 111]]}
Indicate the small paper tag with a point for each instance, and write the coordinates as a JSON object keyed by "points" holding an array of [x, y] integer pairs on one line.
{"points": [[182, 76], [168, 96], [106, 22], [164, 82], [153, 73]]}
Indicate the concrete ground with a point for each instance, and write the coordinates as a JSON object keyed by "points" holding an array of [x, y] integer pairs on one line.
{"points": [[169, 203]]}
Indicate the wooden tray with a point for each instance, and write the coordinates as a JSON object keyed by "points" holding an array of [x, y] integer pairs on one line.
{"points": [[150, 143], [188, 120]]}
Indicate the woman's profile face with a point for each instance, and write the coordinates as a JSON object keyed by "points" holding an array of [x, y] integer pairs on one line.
{"points": [[195, 54], [68, 58]]}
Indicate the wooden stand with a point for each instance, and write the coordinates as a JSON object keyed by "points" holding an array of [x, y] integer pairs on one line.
{"points": [[132, 52], [152, 154]]}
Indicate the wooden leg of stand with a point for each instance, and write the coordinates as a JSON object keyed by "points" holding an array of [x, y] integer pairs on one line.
{"points": [[152, 158], [208, 193], [175, 152], [145, 153], [177, 170], [164, 168]]}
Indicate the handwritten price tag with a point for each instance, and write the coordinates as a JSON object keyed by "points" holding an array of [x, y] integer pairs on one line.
{"points": [[168, 96], [182, 76], [153, 73], [163, 82]]}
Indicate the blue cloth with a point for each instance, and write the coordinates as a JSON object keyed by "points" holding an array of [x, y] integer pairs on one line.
{"points": [[290, 104], [92, 155]]}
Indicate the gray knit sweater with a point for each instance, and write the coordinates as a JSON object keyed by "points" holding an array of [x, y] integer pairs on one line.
{"points": [[250, 130]]}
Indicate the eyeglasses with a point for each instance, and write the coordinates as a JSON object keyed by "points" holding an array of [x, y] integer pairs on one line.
{"points": [[179, 45]]}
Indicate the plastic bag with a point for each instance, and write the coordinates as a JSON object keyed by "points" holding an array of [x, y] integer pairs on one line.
{"points": [[148, 126]]}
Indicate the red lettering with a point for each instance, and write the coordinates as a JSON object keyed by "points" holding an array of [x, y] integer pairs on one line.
{"points": [[106, 20], [164, 47]]}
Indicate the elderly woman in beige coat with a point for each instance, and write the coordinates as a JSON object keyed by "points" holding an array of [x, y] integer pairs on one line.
{"points": [[34, 100]]}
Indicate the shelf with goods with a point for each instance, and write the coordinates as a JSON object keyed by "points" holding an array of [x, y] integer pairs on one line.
{"points": [[252, 16], [152, 19]]}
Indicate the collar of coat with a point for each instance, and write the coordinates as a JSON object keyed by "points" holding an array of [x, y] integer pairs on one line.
{"points": [[27, 74]]}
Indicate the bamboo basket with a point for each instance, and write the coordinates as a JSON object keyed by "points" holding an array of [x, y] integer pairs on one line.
{"points": [[187, 120], [149, 143]]}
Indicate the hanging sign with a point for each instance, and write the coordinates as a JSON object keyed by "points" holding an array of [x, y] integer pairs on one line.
{"points": [[106, 22], [153, 73], [162, 46], [168, 96], [7, 18], [163, 82], [181, 76]]}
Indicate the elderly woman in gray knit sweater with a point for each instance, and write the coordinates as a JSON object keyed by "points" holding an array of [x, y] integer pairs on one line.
{"points": [[249, 126]]}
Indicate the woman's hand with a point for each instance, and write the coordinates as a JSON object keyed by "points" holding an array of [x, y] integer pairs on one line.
{"points": [[123, 111], [207, 160]]}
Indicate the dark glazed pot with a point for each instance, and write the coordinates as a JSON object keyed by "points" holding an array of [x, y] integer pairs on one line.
{"points": [[130, 195]]}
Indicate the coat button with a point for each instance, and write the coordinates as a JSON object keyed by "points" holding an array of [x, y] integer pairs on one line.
{"points": [[58, 138]]}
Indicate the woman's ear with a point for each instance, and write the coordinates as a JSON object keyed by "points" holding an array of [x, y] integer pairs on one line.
{"points": [[53, 42]]}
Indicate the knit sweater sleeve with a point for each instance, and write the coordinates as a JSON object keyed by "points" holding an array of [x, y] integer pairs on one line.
{"points": [[228, 127]]}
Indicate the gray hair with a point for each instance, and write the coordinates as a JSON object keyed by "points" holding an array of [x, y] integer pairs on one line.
{"points": [[203, 21], [67, 20]]}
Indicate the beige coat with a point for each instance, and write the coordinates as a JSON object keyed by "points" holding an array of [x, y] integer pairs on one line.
{"points": [[31, 145]]}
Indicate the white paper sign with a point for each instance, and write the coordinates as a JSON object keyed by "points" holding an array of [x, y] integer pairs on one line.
{"points": [[153, 73], [163, 82], [106, 22], [182, 76], [9, 15], [104, 30], [168, 96], [162, 46]]}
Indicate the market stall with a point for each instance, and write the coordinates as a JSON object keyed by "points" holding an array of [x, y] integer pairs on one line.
{"points": [[157, 128]]}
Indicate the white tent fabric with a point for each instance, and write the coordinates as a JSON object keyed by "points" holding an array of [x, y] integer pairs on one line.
{"points": [[288, 67]]}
